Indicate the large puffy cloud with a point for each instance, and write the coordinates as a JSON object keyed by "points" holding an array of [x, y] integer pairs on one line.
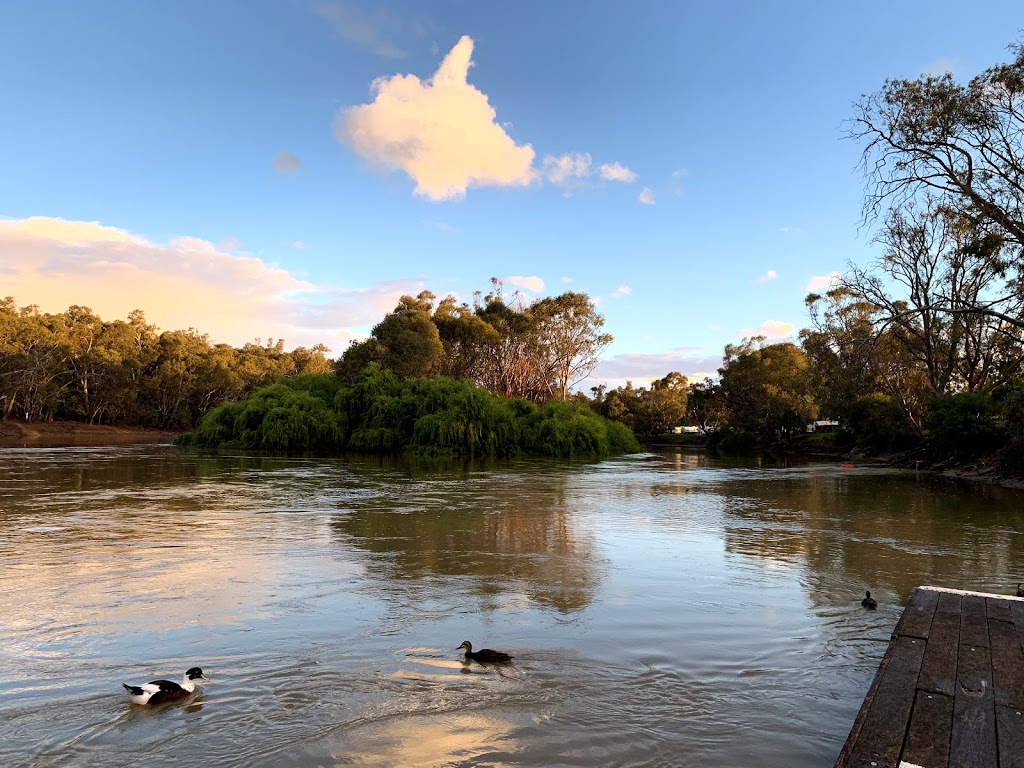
{"points": [[186, 282], [441, 132]]}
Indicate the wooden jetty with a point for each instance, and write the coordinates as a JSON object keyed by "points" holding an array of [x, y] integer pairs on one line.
{"points": [[949, 691]]}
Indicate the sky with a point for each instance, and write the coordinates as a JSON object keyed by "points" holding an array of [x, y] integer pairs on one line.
{"points": [[287, 169]]}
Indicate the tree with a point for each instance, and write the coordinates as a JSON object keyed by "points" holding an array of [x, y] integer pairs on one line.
{"points": [[961, 144], [705, 406], [767, 389], [569, 328]]}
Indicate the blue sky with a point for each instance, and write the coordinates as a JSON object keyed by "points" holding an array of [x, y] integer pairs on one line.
{"points": [[288, 169]]}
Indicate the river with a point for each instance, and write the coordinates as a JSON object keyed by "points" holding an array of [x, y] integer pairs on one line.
{"points": [[663, 609]]}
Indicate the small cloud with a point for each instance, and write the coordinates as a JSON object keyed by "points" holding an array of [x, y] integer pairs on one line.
{"points": [[287, 163], [365, 29], [617, 172], [767, 277], [791, 230], [941, 67], [532, 284], [646, 196], [566, 169], [566, 279], [823, 282], [677, 181], [298, 245], [622, 290], [771, 329], [442, 132], [230, 243]]}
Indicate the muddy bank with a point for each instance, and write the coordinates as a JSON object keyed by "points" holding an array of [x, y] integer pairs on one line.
{"points": [[38, 434]]}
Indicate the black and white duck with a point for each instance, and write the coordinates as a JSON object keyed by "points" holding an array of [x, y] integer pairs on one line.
{"points": [[160, 691], [485, 655], [869, 601]]}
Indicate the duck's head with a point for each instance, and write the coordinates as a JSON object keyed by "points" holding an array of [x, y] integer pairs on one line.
{"points": [[867, 593], [467, 645], [196, 674]]}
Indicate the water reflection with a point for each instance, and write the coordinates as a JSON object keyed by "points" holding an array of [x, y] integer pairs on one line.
{"points": [[663, 609]]}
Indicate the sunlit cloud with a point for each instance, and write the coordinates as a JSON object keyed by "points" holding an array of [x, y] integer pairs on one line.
{"points": [[770, 329], [767, 277], [646, 196], [622, 290], [185, 282], [693, 362], [230, 243], [532, 284], [368, 30], [617, 172], [441, 132], [564, 170], [287, 163], [820, 283]]}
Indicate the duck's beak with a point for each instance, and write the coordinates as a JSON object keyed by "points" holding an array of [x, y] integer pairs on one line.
{"points": [[204, 677]]}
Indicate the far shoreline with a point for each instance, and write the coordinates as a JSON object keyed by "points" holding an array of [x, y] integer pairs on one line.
{"points": [[66, 434]]}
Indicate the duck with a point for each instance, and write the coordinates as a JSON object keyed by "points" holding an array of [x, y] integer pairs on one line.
{"points": [[485, 655], [1020, 591], [869, 601], [161, 691]]}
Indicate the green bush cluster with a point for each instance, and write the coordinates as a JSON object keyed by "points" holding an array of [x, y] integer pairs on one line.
{"points": [[381, 414]]}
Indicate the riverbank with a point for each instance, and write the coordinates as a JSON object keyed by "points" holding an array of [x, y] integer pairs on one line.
{"points": [[52, 434]]}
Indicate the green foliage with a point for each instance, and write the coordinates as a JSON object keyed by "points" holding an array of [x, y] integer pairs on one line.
{"points": [[878, 422], [964, 423], [382, 414], [282, 418]]}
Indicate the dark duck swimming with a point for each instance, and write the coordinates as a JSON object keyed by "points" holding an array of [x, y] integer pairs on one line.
{"points": [[160, 691], [485, 655], [869, 601]]}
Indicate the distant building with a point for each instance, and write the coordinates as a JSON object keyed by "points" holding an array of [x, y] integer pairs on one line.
{"points": [[823, 425]]}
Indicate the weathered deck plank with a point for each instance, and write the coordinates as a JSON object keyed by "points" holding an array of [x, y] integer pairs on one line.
{"points": [[930, 726], [972, 743], [949, 692]]}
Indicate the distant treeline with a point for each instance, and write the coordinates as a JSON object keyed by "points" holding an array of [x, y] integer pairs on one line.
{"points": [[383, 414], [77, 366]]}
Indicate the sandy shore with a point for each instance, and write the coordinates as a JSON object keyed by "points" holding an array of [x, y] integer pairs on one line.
{"points": [[25, 434]]}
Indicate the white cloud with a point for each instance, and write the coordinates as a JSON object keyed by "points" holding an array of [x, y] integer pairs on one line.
{"points": [[298, 245], [622, 290], [768, 276], [565, 169], [941, 67], [770, 329], [441, 132], [186, 282], [646, 196], [820, 283], [791, 230], [367, 30], [287, 163], [617, 172], [677, 181], [532, 284], [566, 279]]}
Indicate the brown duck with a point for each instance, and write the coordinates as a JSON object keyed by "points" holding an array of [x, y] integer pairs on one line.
{"points": [[869, 601], [485, 655]]}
